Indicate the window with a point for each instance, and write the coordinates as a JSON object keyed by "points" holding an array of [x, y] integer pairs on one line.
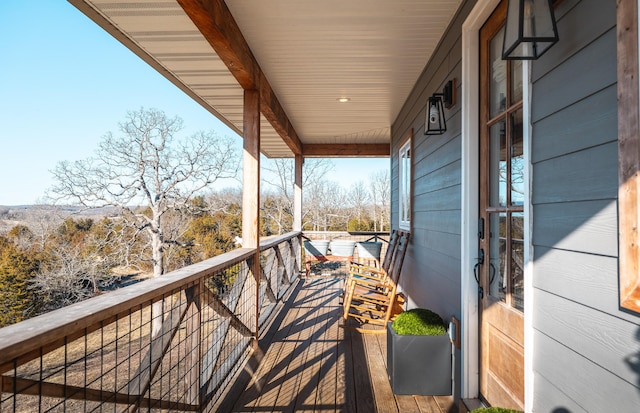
{"points": [[628, 154], [405, 193]]}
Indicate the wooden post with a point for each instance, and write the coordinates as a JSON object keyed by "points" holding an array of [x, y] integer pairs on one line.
{"points": [[297, 194], [297, 205], [251, 189], [194, 338], [628, 155]]}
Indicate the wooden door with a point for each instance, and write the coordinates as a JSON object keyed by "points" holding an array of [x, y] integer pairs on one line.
{"points": [[501, 235]]}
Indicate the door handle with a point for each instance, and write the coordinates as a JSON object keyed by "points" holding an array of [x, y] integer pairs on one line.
{"points": [[476, 267]]}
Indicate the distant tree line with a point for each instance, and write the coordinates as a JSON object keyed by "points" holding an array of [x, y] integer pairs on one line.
{"points": [[154, 182], [82, 257], [44, 265]]}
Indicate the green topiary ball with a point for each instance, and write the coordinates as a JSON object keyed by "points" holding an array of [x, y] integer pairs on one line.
{"points": [[419, 322], [494, 410]]}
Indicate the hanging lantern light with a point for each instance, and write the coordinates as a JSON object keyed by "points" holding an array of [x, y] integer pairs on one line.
{"points": [[435, 123], [530, 29]]}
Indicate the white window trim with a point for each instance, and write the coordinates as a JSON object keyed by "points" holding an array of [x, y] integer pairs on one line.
{"points": [[405, 193]]}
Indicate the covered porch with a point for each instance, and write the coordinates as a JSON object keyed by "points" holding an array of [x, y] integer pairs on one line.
{"points": [[522, 212], [208, 337], [178, 343]]}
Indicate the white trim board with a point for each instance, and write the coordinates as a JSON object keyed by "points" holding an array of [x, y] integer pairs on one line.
{"points": [[469, 214], [470, 385]]}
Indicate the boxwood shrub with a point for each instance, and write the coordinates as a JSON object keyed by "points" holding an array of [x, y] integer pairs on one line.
{"points": [[419, 322]]}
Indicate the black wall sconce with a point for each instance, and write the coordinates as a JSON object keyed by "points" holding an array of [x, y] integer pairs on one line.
{"points": [[530, 29], [435, 123]]}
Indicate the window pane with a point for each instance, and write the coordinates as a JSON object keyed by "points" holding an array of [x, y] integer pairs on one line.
{"points": [[517, 159], [517, 260], [516, 81], [498, 164], [405, 185], [498, 256], [498, 70]]}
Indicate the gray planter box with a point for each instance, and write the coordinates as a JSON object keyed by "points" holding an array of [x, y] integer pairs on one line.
{"points": [[419, 364]]}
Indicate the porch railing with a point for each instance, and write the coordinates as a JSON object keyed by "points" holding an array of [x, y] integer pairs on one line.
{"points": [[172, 343]]}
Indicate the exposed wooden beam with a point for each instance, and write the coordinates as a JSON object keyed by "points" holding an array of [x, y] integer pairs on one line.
{"points": [[217, 25], [275, 114], [346, 150]]}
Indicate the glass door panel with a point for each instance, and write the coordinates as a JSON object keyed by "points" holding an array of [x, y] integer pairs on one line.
{"points": [[516, 82], [498, 69], [498, 256], [517, 260], [517, 159], [498, 164]]}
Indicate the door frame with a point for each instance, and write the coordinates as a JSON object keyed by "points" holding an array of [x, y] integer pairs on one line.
{"points": [[470, 206]]}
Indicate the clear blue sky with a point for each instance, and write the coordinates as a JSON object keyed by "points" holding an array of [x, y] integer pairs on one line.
{"points": [[64, 83]]}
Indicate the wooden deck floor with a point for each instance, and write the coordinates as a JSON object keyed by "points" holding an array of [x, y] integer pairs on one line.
{"points": [[310, 364]]}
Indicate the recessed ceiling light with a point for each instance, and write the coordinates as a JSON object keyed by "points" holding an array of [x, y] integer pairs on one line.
{"points": [[343, 100]]}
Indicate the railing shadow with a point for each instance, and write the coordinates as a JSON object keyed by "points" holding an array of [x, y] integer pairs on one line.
{"points": [[633, 361], [343, 356]]}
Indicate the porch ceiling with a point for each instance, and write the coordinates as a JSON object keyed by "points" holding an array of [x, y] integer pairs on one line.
{"points": [[308, 52]]}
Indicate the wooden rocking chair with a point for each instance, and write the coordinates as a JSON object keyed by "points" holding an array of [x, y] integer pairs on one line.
{"points": [[359, 270], [371, 294]]}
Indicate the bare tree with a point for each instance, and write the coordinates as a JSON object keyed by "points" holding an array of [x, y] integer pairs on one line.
{"points": [[380, 186], [73, 272], [358, 199], [323, 201], [221, 200], [281, 176], [147, 172]]}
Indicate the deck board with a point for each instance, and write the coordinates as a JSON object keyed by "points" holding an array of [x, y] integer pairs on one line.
{"points": [[310, 364]]}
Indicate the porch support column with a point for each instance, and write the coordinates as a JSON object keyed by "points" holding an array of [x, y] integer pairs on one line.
{"points": [[297, 194], [297, 204], [251, 189]]}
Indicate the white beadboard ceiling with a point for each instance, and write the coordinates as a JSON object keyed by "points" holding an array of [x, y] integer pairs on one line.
{"points": [[311, 51]]}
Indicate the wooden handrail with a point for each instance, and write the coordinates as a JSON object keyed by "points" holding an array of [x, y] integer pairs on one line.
{"points": [[37, 332], [277, 239], [218, 293]]}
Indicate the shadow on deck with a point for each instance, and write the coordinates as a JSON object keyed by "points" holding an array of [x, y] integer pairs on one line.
{"points": [[308, 363]]}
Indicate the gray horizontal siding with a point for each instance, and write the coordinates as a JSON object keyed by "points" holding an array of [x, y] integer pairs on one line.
{"points": [[589, 226], [578, 176], [585, 278], [592, 124], [431, 271], [580, 22], [581, 381], [444, 177], [587, 356], [440, 200], [609, 342], [551, 399]]}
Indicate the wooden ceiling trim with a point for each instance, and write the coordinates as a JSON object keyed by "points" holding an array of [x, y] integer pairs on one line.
{"points": [[215, 22], [379, 150], [274, 113], [217, 25]]}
